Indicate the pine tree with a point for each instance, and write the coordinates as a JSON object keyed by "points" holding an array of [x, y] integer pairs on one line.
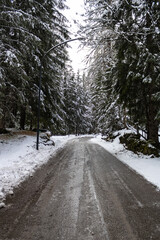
{"points": [[133, 28], [137, 66], [29, 29], [12, 68], [100, 38], [77, 105]]}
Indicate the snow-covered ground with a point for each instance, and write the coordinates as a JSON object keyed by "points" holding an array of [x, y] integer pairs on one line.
{"points": [[148, 167], [19, 159]]}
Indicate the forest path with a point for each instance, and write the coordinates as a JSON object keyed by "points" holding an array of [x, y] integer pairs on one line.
{"points": [[82, 193]]}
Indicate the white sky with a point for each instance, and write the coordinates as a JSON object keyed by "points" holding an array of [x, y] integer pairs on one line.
{"points": [[77, 54]]}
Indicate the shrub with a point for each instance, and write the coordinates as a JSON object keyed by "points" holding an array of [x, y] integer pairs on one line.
{"points": [[135, 144]]}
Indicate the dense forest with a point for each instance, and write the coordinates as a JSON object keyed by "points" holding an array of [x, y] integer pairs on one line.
{"points": [[124, 38], [28, 29], [122, 84]]}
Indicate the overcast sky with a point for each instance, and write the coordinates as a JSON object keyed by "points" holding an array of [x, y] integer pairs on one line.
{"points": [[77, 55]]}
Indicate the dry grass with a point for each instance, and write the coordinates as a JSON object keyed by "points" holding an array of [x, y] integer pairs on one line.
{"points": [[14, 133], [24, 132]]}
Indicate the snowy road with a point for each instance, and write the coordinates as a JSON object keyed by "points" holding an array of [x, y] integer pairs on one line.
{"points": [[82, 193]]}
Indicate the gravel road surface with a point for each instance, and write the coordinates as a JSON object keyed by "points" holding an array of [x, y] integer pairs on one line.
{"points": [[82, 193]]}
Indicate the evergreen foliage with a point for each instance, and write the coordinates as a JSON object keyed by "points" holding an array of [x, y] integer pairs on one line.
{"points": [[124, 39], [137, 67], [28, 30], [100, 36], [77, 106], [128, 79]]}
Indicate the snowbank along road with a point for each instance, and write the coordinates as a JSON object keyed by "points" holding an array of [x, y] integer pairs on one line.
{"points": [[82, 193]]}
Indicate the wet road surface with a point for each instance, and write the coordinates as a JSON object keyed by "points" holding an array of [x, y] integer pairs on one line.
{"points": [[83, 193]]}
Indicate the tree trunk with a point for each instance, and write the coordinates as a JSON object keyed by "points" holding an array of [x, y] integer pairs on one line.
{"points": [[152, 124], [31, 124], [23, 118], [76, 130], [124, 118], [3, 120], [2, 123]]}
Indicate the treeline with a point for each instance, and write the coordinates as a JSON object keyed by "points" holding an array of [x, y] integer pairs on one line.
{"points": [[27, 30], [124, 38], [124, 69]]}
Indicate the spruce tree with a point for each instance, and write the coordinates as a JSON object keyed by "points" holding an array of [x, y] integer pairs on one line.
{"points": [[29, 29], [100, 37], [137, 66], [133, 28], [77, 109]]}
